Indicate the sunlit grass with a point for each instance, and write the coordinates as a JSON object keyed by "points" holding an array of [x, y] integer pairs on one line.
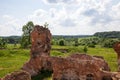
{"points": [[11, 60]]}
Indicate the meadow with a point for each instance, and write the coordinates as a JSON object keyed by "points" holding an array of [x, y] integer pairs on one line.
{"points": [[13, 58]]}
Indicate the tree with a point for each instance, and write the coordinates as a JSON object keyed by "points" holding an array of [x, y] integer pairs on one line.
{"points": [[46, 25], [76, 43], [85, 49], [108, 43], [3, 43], [27, 29], [61, 42]]}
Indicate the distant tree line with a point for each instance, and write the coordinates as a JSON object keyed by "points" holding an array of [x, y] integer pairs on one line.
{"points": [[110, 34], [12, 39], [88, 41], [3, 43]]}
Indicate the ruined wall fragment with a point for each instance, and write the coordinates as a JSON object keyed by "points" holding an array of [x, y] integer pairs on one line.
{"points": [[79, 67], [117, 49], [40, 38], [17, 75], [97, 60]]}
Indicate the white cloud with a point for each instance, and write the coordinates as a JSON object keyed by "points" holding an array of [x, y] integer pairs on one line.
{"points": [[85, 17], [115, 12], [7, 17], [10, 26], [71, 16], [60, 1]]}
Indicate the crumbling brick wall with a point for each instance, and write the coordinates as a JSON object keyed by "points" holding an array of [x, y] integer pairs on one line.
{"points": [[79, 67], [97, 60], [40, 38], [17, 75], [117, 49]]}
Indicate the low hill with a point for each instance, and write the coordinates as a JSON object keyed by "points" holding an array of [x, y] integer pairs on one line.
{"points": [[110, 34], [12, 39]]}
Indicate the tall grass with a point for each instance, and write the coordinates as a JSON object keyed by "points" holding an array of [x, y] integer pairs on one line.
{"points": [[11, 60]]}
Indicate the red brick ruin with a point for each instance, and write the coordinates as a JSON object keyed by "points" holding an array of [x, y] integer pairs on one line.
{"points": [[74, 67], [117, 49]]}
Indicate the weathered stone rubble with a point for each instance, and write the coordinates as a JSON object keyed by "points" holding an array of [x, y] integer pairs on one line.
{"points": [[117, 49], [40, 38], [17, 75], [75, 67]]}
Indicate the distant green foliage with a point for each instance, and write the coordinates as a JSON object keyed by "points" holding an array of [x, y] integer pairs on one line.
{"points": [[46, 25], [24, 42], [54, 42], [73, 49], [109, 42], [27, 29], [110, 34], [62, 42], [85, 49], [89, 41], [3, 43], [76, 42], [91, 45], [12, 39]]}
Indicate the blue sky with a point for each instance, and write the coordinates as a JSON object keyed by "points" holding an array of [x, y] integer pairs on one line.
{"points": [[65, 17]]}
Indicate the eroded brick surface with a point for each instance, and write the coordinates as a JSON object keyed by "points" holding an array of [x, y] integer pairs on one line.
{"points": [[18, 75], [117, 49], [79, 67], [40, 38]]}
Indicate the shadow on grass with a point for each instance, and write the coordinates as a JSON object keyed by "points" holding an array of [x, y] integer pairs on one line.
{"points": [[42, 75]]}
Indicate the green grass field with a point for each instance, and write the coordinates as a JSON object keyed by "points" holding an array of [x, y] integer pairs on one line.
{"points": [[13, 59]]}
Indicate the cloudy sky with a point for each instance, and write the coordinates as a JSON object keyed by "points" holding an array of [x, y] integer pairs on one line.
{"points": [[65, 17]]}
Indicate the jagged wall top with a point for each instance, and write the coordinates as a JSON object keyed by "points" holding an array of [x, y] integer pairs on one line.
{"points": [[40, 38]]}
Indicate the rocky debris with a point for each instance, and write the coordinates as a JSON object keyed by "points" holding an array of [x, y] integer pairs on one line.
{"points": [[79, 67], [117, 49], [33, 66], [96, 59], [17, 75], [40, 38]]}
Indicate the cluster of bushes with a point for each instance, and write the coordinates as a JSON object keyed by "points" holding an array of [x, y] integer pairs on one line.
{"points": [[3, 43], [88, 41]]}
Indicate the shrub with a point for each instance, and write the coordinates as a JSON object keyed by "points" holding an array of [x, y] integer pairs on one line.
{"points": [[85, 49], [62, 42], [91, 45], [109, 43]]}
